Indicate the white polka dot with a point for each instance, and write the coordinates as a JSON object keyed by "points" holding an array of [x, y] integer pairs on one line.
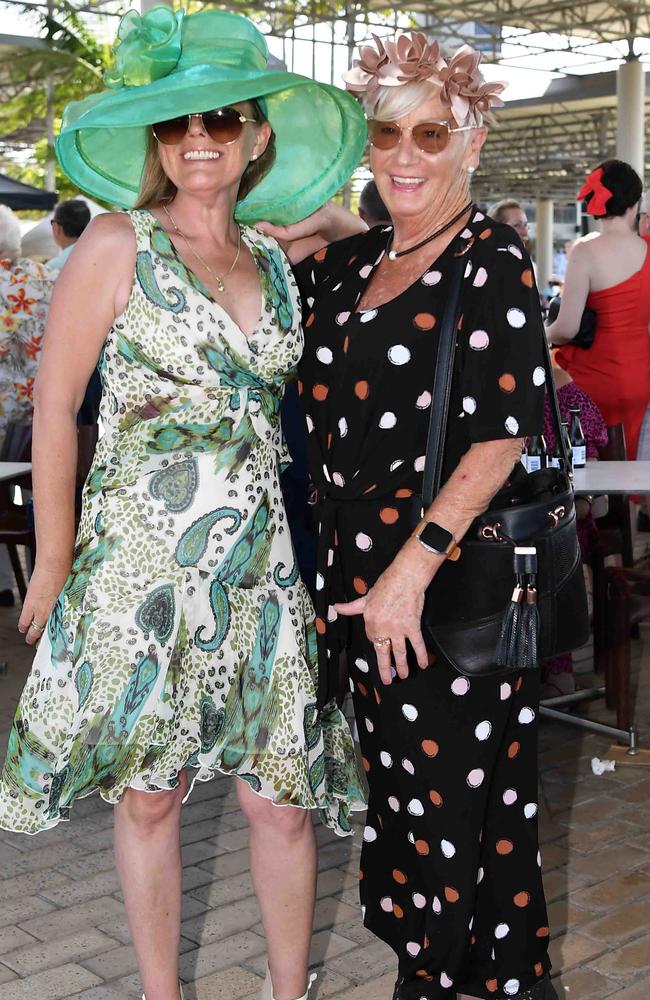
{"points": [[320, 581], [369, 834], [423, 401], [342, 318], [460, 686], [337, 286], [386, 904], [468, 269], [310, 423], [467, 234], [436, 905], [409, 712], [408, 766], [469, 404], [368, 315], [483, 730], [310, 301], [326, 473], [363, 541], [396, 464], [480, 278], [516, 318], [351, 685], [539, 859], [387, 420], [512, 425], [415, 807], [475, 777], [479, 340], [515, 251], [419, 463], [393, 803], [343, 427], [526, 716], [509, 796], [431, 277], [479, 217], [361, 665], [506, 691], [530, 810], [480, 876], [501, 931], [539, 376], [413, 949], [369, 725], [445, 980], [363, 912], [386, 758], [419, 900], [447, 848], [399, 355], [365, 271], [332, 614], [330, 557], [324, 355], [511, 987], [471, 924]]}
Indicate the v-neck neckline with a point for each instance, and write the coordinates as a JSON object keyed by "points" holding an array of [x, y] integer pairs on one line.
{"points": [[192, 280]]}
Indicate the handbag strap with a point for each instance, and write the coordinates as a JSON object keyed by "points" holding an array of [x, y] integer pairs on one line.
{"points": [[442, 384]]}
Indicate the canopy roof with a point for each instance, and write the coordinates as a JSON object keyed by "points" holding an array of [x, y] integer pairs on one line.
{"points": [[17, 195]]}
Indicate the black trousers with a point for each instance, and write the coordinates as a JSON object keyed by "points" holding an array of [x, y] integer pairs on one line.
{"points": [[450, 867]]}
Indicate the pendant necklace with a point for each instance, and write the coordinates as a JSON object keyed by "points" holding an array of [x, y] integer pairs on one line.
{"points": [[394, 254], [219, 279]]}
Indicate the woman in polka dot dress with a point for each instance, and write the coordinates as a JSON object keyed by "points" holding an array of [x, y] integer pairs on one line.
{"points": [[450, 869]]}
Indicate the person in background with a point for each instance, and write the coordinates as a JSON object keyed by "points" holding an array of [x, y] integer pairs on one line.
{"points": [[510, 212], [70, 220], [25, 290], [643, 217], [371, 207]]}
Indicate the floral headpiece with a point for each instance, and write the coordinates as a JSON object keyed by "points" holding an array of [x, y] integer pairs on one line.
{"points": [[410, 58], [600, 195]]}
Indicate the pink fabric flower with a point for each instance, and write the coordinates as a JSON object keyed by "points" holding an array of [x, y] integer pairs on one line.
{"points": [[463, 89]]}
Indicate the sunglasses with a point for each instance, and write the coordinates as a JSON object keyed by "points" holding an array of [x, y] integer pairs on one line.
{"points": [[223, 125], [430, 137]]}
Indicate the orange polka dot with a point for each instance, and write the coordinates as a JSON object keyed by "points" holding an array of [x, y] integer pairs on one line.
{"points": [[346, 344], [435, 797], [521, 900], [539, 969], [491, 985], [321, 627], [398, 911], [403, 494], [422, 847], [430, 748], [380, 822], [520, 681], [527, 278], [424, 321], [310, 319], [360, 875], [300, 387], [542, 932], [352, 259], [431, 658], [399, 876], [514, 749], [451, 895], [377, 696], [473, 939], [371, 488], [507, 382], [423, 974], [320, 255], [330, 438], [362, 389], [360, 585], [362, 689], [366, 764], [389, 515], [505, 847], [485, 235], [320, 392]]}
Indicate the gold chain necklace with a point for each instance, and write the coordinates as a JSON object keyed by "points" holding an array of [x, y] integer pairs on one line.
{"points": [[220, 280]]}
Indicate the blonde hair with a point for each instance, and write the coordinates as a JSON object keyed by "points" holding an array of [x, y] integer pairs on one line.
{"points": [[10, 239], [156, 188], [394, 103]]}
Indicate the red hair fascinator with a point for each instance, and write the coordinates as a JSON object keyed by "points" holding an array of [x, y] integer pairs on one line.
{"points": [[594, 186]]}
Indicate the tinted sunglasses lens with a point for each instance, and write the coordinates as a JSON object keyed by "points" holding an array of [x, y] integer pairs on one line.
{"points": [[431, 137], [223, 125], [384, 135], [172, 131]]}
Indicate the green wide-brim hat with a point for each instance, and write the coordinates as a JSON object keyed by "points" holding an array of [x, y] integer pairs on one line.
{"points": [[167, 65]]}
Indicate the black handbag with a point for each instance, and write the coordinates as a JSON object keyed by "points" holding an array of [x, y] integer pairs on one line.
{"points": [[516, 595], [586, 334]]}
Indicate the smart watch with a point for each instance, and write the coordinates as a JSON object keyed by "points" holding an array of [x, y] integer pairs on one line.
{"points": [[434, 538]]}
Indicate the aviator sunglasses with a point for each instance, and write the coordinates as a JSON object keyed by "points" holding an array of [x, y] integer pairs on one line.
{"points": [[430, 137], [223, 125]]}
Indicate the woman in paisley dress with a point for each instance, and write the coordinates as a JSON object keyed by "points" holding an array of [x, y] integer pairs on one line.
{"points": [[177, 639]]}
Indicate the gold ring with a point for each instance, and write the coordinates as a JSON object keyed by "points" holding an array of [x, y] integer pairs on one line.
{"points": [[37, 628], [381, 642]]}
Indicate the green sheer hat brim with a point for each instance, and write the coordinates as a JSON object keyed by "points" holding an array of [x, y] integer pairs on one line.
{"points": [[320, 136]]}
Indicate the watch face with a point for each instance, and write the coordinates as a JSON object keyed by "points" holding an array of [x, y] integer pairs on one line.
{"points": [[436, 537]]}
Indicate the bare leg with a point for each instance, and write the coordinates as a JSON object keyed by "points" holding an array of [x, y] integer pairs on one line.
{"points": [[283, 866], [148, 856]]}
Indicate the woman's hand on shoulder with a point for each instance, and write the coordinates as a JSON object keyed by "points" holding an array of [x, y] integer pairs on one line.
{"points": [[326, 225], [392, 609], [44, 588]]}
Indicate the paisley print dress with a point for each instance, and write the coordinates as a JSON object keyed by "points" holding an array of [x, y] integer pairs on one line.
{"points": [[184, 636]]}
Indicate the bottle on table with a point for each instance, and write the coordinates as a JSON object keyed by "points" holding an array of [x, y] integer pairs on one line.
{"points": [[567, 446], [577, 438], [555, 456], [536, 453]]}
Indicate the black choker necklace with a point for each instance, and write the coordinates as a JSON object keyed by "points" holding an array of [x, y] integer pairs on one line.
{"points": [[394, 254]]}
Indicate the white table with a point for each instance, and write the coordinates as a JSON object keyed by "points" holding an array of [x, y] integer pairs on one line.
{"points": [[11, 470], [612, 477]]}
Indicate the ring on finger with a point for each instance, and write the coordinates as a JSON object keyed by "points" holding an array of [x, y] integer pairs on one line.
{"points": [[380, 642], [37, 628]]}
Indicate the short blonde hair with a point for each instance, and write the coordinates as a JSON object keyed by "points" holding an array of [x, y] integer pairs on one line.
{"points": [[396, 102], [10, 237], [156, 188]]}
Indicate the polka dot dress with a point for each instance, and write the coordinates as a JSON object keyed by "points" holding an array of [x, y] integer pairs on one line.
{"points": [[450, 874]]}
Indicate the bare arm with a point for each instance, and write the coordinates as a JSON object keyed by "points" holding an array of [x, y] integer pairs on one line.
{"points": [[92, 289], [574, 297], [328, 224], [393, 607]]}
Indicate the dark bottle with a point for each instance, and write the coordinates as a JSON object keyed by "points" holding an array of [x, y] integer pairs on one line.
{"points": [[555, 457], [577, 438], [567, 445], [536, 453]]}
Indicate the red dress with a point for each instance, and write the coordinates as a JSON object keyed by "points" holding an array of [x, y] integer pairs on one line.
{"points": [[615, 371]]}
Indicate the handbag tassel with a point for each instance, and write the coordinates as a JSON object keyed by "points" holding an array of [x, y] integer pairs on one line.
{"points": [[518, 643]]}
